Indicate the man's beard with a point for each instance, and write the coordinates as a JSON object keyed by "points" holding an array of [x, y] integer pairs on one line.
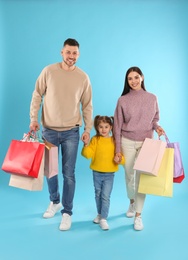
{"points": [[70, 65]]}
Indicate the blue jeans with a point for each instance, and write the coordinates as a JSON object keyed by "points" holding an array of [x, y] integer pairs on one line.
{"points": [[68, 142], [103, 184]]}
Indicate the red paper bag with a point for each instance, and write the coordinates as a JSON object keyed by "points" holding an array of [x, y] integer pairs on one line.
{"points": [[51, 160], [23, 158], [180, 178]]}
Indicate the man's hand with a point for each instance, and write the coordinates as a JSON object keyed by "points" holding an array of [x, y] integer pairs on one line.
{"points": [[34, 126], [85, 138]]}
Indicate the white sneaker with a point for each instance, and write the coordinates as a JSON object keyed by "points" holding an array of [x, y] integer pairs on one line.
{"points": [[65, 222], [131, 210], [97, 219], [52, 210], [138, 225], [104, 224]]}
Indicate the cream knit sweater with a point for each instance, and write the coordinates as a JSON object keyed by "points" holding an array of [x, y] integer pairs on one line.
{"points": [[63, 95]]}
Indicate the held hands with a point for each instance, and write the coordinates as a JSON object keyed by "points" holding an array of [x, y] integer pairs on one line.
{"points": [[85, 138], [117, 158]]}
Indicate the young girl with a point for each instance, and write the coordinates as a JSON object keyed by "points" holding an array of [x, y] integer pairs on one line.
{"points": [[104, 163]]}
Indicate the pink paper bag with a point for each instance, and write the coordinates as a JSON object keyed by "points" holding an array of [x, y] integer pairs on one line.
{"points": [[150, 156], [51, 160]]}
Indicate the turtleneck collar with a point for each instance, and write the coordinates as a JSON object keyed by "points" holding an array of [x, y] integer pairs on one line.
{"points": [[136, 92]]}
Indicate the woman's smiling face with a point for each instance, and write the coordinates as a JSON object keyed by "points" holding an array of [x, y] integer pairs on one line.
{"points": [[135, 80]]}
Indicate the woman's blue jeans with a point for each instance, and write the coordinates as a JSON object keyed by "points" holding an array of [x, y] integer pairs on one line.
{"points": [[68, 142], [103, 184]]}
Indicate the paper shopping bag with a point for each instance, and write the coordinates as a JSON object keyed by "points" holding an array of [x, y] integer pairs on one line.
{"points": [[28, 183], [23, 158], [162, 184], [50, 160], [150, 156], [178, 164]]}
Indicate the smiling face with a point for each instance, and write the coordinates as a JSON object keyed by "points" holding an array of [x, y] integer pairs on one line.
{"points": [[70, 55], [104, 129], [134, 80]]}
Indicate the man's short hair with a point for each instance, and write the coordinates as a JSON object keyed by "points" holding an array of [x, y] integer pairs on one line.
{"points": [[71, 42]]}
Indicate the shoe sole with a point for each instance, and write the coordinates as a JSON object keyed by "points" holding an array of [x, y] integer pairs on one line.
{"points": [[48, 217], [64, 229], [130, 216], [105, 229], [138, 229]]}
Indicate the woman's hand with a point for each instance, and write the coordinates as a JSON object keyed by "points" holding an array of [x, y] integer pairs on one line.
{"points": [[160, 131], [117, 158]]}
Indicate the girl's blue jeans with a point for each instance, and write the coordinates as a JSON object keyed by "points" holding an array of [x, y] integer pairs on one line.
{"points": [[103, 184], [67, 142]]}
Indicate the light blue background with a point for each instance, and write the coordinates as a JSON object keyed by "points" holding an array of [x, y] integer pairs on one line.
{"points": [[113, 35]]}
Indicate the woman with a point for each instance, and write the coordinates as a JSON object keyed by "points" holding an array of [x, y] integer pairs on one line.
{"points": [[136, 117]]}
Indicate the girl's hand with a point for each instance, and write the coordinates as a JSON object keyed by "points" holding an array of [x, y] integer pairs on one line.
{"points": [[85, 138]]}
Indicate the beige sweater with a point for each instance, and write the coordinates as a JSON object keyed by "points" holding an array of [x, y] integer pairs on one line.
{"points": [[63, 95]]}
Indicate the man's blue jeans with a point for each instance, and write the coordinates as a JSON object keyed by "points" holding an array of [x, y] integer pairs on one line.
{"points": [[68, 142], [103, 184]]}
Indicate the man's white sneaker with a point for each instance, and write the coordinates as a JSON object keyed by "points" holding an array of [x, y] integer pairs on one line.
{"points": [[97, 219], [65, 222], [52, 210], [138, 225], [131, 210], [103, 224]]}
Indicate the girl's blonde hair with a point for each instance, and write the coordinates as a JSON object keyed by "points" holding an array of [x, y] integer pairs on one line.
{"points": [[105, 119]]}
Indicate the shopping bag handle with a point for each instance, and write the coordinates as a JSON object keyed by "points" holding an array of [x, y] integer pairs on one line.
{"points": [[33, 136], [166, 138]]}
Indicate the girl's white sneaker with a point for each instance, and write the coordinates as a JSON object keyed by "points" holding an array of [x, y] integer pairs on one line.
{"points": [[97, 219], [103, 224]]}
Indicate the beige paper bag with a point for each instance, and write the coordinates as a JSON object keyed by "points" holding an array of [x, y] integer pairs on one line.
{"points": [[28, 183]]}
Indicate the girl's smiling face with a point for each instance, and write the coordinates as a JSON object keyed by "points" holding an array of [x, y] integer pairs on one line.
{"points": [[104, 129], [135, 80]]}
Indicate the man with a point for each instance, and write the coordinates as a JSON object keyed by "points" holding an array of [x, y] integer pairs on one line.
{"points": [[62, 88]]}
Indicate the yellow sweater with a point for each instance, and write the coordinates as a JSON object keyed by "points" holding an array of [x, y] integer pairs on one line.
{"points": [[101, 151], [62, 95]]}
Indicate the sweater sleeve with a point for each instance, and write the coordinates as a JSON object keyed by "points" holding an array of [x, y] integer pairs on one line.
{"points": [[40, 88], [118, 122], [87, 109], [89, 151], [156, 117]]}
